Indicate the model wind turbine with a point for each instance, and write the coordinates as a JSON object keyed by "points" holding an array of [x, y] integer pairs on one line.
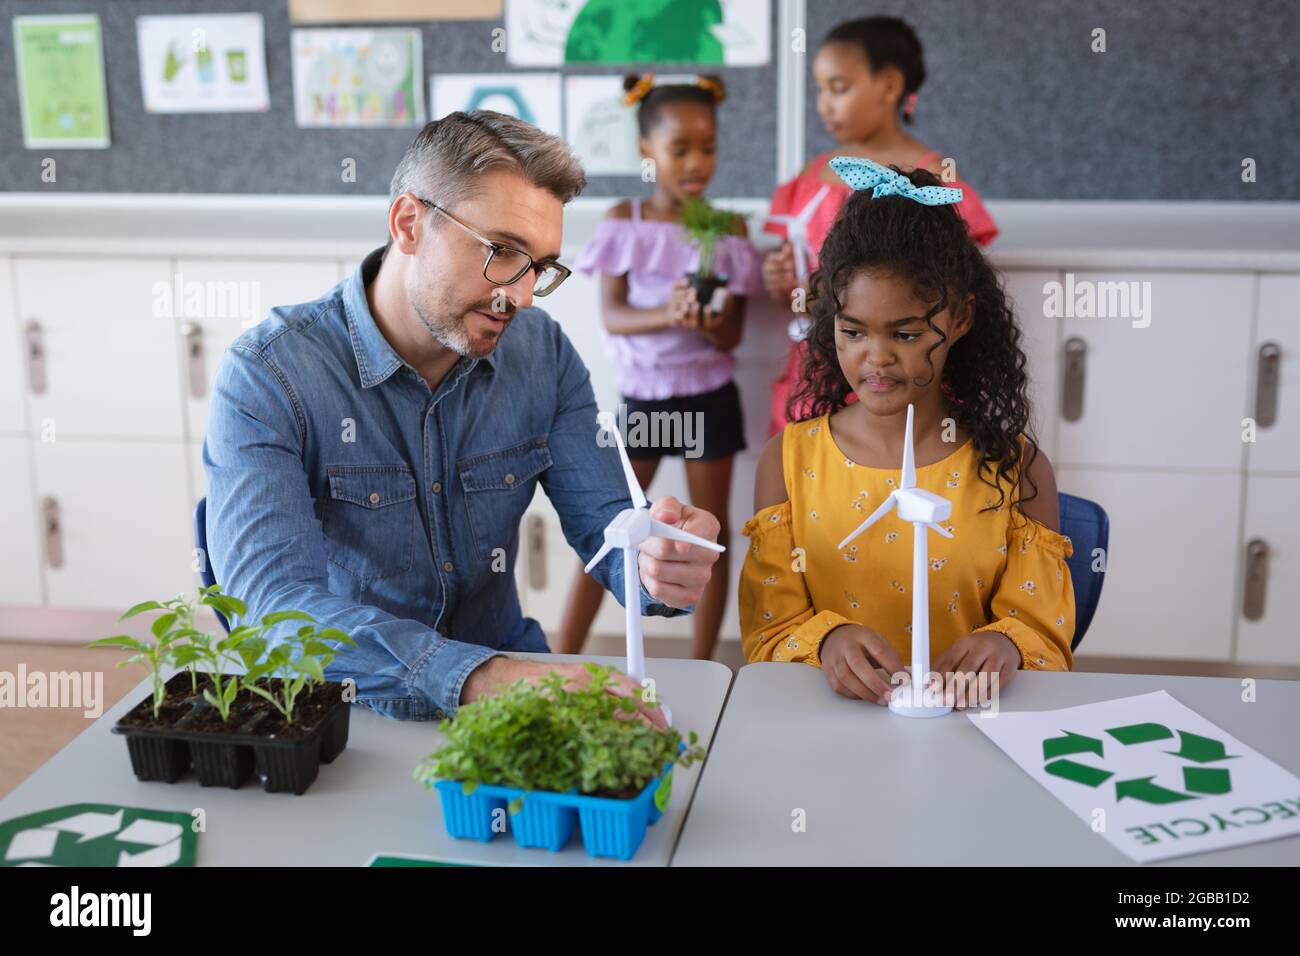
{"points": [[628, 529], [796, 231], [925, 510]]}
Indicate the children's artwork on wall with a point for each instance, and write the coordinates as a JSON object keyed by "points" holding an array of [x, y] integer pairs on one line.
{"points": [[600, 128], [404, 11], [61, 89], [206, 63], [533, 97], [1150, 776], [358, 77], [713, 32]]}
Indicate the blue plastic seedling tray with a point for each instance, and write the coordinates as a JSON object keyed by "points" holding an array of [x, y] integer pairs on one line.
{"points": [[610, 827]]}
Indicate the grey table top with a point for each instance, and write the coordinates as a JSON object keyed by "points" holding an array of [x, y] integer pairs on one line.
{"points": [[366, 801], [880, 790]]}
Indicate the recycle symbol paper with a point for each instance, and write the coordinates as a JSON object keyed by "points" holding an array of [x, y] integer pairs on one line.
{"points": [[1164, 780], [98, 834]]}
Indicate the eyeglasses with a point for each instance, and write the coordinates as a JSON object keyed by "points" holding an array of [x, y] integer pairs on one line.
{"points": [[506, 265]]}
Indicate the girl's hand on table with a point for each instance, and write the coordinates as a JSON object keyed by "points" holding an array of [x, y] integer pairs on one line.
{"points": [[851, 655], [978, 652]]}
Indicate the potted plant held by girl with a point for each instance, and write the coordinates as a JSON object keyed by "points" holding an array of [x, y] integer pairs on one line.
{"points": [[706, 226]]}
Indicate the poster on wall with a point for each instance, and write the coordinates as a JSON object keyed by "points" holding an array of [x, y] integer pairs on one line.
{"points": [[599, 127], [403, 11], [697, 32], [358, 77], [533, 97], [61, 91], [209, 63]]}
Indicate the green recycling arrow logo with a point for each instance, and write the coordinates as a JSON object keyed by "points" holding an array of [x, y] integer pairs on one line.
{"points": [[98, 834], [1198, 779]]}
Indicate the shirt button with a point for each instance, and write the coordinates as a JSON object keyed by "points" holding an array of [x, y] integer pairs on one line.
{"points": [[448, 567], [374, 497], [510, 479], [439, 715], [436, 486]]}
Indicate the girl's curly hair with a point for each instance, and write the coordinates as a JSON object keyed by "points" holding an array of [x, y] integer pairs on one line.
{"points": [[984, 380]]}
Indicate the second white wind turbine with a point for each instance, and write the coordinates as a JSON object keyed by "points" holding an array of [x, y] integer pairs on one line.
{"points": [[925, 510]]}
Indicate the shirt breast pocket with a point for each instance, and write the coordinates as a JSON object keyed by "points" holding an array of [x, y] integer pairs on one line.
{"points": [[498, 486], [370, 519]]}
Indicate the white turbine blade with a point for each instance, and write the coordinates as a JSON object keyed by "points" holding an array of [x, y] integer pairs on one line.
{"points": [[633, 486], [677, 534], [799, 246], [798, 233], [875, 516], [943, 531], [604, 550], [806, 214], [909, 461], [632, 603]]}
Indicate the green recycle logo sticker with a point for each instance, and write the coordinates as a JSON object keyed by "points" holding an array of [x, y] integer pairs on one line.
{"points": [[98, 834], [1198, 779]]}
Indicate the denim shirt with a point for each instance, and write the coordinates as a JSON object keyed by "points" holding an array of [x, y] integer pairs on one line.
{"points": [[339, 484]]}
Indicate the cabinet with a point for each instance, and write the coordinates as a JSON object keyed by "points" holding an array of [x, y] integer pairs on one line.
{"points": [[121, 522], [1268, 630], [100, 334], [20, 557], [219, 299], [1041, 334], [1168, 395], [13, 377]]}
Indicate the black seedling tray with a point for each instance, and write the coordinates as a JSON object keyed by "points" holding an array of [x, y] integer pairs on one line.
{"points": [[285, 759]]}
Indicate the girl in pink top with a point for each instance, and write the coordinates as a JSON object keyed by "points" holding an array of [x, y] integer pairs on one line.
{"points": [[672, 353], [868, 72]]}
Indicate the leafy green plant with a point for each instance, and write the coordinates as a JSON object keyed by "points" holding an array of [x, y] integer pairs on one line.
{"points": [[178, 643], [557, 737], [705, 225], [299, 660], [160, 654]]}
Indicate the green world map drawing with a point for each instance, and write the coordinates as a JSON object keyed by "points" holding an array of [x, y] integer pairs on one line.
{"points": [[661, 31]]}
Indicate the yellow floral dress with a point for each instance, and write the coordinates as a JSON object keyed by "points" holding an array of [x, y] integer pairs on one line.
{"points": [[994, 574]]}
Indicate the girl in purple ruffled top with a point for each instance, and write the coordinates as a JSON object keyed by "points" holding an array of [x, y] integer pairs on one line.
{"points": [[672, 352]]}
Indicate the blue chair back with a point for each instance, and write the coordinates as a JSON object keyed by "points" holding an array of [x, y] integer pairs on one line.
{"points": [[206, 574], [1085, 523]]}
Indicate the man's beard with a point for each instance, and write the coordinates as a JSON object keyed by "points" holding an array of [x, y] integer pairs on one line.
{"points": [[453, 333]]}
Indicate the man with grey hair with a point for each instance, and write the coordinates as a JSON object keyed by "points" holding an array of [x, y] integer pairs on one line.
{"points": [[370, 454]]}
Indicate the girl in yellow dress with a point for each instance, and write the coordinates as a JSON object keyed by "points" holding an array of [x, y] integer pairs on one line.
{"points": [[906, 310]]}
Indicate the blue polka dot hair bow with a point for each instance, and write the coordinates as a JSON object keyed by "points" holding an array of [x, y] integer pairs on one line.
{"points": [[883, 181]]}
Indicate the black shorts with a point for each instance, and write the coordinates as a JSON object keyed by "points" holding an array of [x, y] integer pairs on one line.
{"points": [[697, 427]]}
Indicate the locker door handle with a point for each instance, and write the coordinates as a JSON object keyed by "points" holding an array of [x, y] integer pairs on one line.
{"points": [[34, 337], [1266, 384], [1252, 605], [53, 527], [536, 536], [197, 372], [1072, 382]]}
